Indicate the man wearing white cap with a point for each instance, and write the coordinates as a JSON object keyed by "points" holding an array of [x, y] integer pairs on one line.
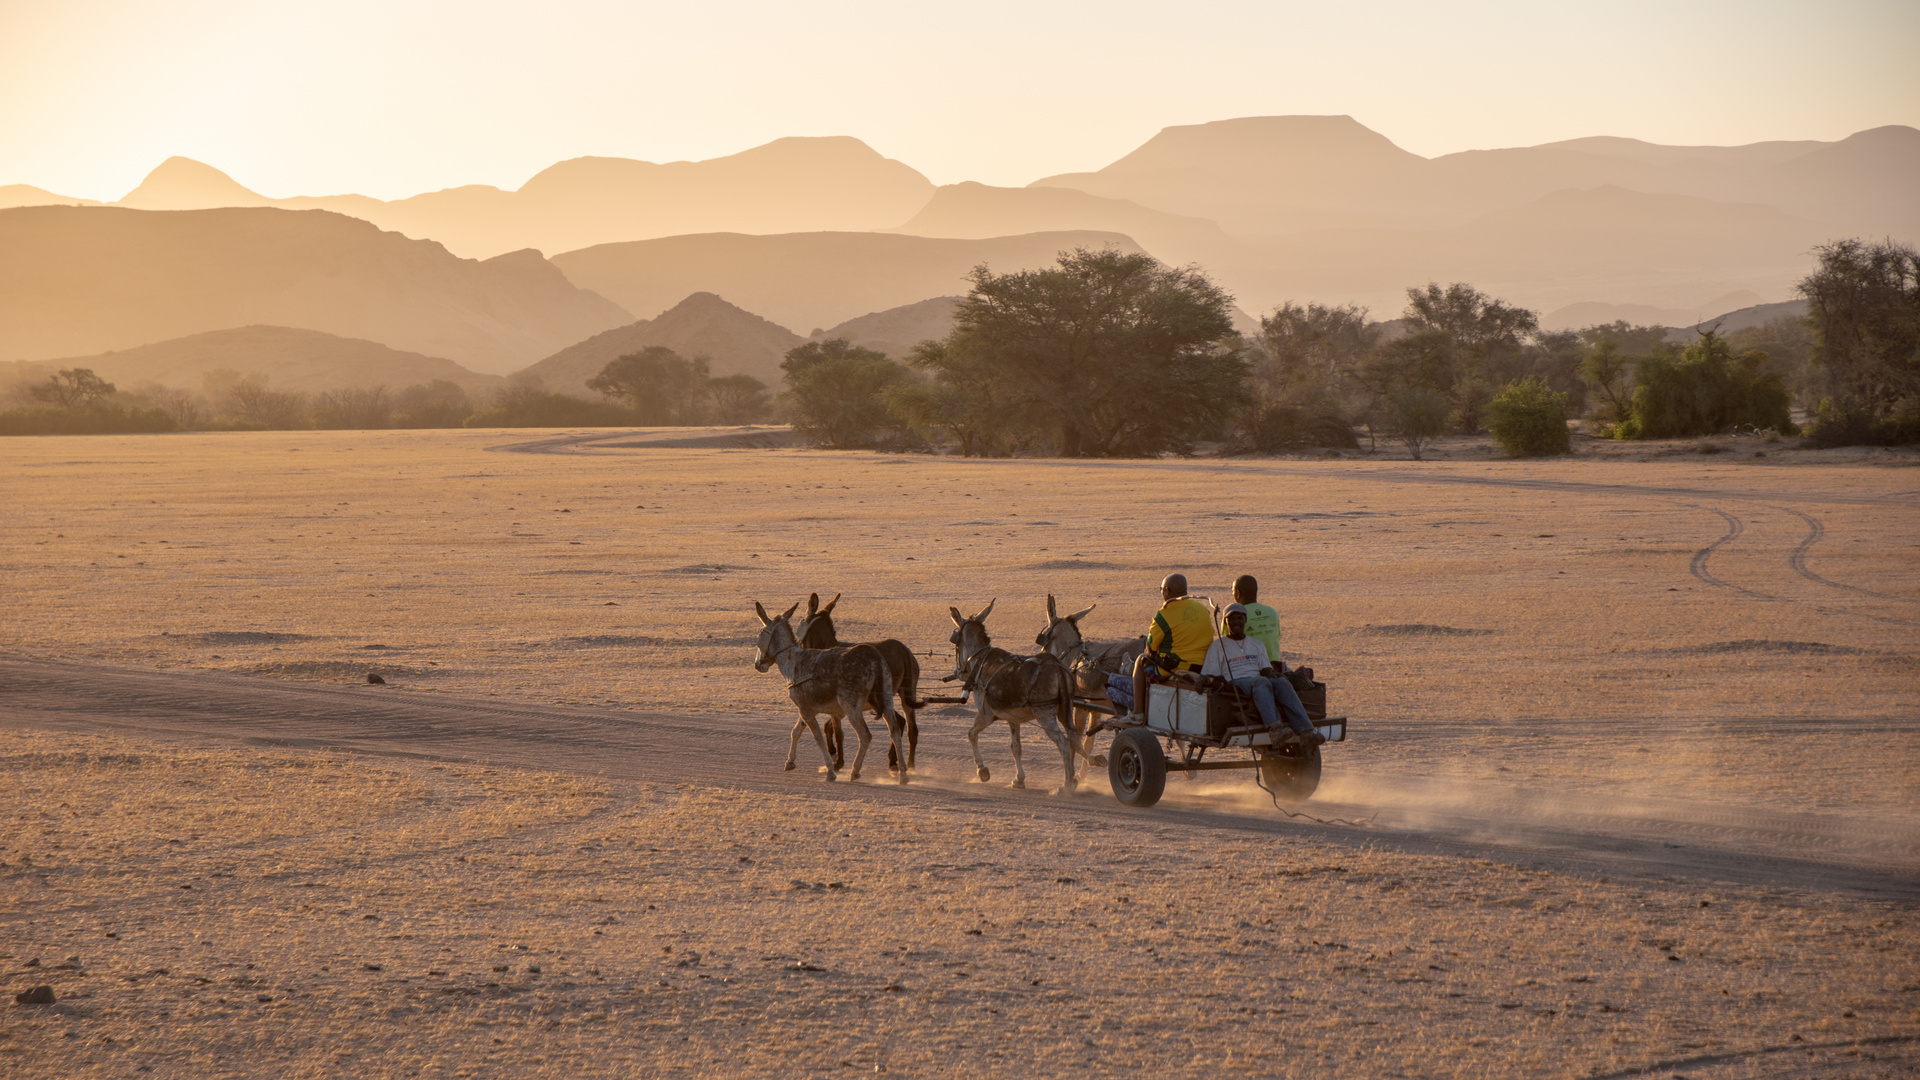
{"points": [[1243, 661]]}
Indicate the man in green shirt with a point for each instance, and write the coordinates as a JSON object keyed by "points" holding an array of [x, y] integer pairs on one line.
{"points": [[1263, 623]]}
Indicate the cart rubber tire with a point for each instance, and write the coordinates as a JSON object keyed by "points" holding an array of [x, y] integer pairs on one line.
{"points": [[1291, 779], [1137, 768]]}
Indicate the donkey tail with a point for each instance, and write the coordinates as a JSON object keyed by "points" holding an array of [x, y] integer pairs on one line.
{"points": [[910, 683]]}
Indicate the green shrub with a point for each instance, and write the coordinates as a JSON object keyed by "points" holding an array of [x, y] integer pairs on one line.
{"points": [[1859, 426], [1528, 419], [1270, 428], [95, 419], [1418, 415], [1704, 391]]}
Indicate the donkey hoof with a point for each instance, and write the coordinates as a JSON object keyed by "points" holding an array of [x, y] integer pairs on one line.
{"points": [[789, 766], [1019, 783], [983, 775], [1099, 761], [830, 776], [855, 776]]}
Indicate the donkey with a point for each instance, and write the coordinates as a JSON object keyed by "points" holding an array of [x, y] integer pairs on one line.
{"points": [[1090, 663], [1015, 689], [817, 632], [840, 682]]}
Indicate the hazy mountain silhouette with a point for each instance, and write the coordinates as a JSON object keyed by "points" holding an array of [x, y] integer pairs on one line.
{"points": [[12, 195], [1265, 174], [977, 211], [1275, 174], [1868, 181], [809, 279], [290, 358], [737, 341], [1563, 248], [788, 185], [185, 184], [896, 331], [80, 280], [1590, 313], [1747, 317]]}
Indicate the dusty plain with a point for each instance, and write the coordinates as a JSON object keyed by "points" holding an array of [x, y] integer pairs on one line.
{"points": [[1634, 758]]}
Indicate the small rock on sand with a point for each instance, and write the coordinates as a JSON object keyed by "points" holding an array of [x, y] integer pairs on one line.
{"points": [[39, 995]]}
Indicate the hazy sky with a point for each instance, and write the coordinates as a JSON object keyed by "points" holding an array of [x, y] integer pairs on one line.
{"points": [[394, 97]]}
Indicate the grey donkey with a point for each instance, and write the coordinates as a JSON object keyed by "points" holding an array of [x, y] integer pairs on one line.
{"points": [[1015, 689], [840, 682], [817, 632], [1090, 662]]}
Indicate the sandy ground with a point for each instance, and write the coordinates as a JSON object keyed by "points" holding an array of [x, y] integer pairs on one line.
{"points": [[1588, 695]]}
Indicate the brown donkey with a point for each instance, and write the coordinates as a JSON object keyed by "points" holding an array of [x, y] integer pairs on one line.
{"points": [[841, 683], [817, 632]]}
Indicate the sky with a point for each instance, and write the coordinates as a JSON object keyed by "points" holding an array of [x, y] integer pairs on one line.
{"points": [[393, 97]]}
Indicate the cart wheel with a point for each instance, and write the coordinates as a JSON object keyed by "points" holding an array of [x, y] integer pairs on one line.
{"points": [[1292, 779], [1137, 768]]}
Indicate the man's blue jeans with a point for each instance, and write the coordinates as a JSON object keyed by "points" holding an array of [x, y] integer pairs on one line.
{"points": [[1266, 692]]}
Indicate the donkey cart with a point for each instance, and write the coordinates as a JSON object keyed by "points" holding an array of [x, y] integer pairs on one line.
{"points": [[1183, 724]]}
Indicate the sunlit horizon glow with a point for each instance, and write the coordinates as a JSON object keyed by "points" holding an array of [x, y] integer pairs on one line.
{"points": [[391, 99]]}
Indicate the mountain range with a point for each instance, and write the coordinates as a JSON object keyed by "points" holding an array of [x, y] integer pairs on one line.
{"points": [[820, 232]]}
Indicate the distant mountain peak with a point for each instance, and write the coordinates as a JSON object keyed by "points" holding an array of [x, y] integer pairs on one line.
{"points": [[181, 183], [1261, 141]]}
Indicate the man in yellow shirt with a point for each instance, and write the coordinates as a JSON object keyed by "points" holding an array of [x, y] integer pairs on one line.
{"points": [[1177, 641]]}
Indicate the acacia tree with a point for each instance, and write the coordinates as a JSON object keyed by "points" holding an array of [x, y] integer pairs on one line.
{"points": [[968, 398], [662, 386], [1106, 352], [1308, 347], [72, 388], [838, 392], [1864, 305], [1488, 337], [735, 399]]}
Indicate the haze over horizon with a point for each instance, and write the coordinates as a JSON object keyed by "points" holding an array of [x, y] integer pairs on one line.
{"points": [[392, 100]]}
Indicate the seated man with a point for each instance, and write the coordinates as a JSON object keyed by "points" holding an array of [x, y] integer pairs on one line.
{"points": [[1242, 661], [1177, 640]]}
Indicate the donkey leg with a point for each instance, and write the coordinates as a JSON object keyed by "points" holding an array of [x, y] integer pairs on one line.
{"points": [[857, 717], [910, 714], [973, 737], [896, 733], [1019, 766], [836, 743], [821, 741], [1064, 740], [793, 744]]}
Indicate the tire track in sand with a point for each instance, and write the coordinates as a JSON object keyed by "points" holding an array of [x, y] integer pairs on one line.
{"points": [[1796, 561], [1816, 530]]}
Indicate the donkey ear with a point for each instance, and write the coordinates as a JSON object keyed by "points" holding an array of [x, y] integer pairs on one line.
{"points": [[1052, 616], [830, 603], [762, 612], [985, 611], [813, 604], [958, 619], [1081, 614], [788, 614]]}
